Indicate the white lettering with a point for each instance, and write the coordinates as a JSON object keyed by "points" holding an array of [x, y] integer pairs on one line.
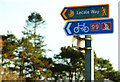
{"points": [[83, 12], [87, 12], [94, 12]]}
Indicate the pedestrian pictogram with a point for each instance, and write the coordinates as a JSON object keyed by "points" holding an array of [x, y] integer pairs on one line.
{"points": [[104, 11], [106, 26]]}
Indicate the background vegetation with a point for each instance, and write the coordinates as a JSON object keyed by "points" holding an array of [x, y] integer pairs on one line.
{"points": [[25, 58]]}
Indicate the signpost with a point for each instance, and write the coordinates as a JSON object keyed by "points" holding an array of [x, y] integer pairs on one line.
{"points": [[85, 12], [87, 27]]}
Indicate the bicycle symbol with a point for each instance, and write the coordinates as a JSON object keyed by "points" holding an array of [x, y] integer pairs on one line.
{"points": [[81, 27]]}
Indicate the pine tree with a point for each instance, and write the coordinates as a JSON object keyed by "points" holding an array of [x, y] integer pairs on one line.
{"points": [[9, 46], [31, 60], [69, 65]]}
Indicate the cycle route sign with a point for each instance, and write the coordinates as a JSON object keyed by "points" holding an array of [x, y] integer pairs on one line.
{"points": [[85, 12], [88, 27]]}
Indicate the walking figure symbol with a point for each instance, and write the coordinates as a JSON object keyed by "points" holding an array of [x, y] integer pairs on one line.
{"points": [[106, 27], [104, 11]]}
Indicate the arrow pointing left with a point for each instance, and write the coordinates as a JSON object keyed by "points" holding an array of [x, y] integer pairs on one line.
{"points": [[64, 13], [68, 30], [88, 27]]}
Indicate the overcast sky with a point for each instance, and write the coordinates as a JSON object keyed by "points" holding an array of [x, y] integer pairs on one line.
{"points": [[13, 14]]}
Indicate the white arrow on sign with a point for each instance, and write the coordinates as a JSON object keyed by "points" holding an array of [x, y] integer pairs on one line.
{"points": [[68, 28]]}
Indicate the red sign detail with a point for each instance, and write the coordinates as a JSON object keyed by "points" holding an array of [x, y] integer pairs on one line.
{"points": [[95, 26], [106, 26]]}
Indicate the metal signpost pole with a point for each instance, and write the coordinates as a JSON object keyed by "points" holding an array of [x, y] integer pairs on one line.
{"points": [[87, 58], [87, 27]]}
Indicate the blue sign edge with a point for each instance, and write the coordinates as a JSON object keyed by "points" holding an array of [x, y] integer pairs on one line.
{"points": [[89, 20]]}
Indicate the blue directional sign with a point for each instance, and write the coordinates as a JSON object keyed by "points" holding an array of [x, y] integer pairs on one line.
{"points": [[88, 27]]}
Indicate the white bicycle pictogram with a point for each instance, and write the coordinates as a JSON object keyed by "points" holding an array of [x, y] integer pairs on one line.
{"points": [[81, 27]]}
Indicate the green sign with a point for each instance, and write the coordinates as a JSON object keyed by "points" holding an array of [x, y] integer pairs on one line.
{"points": [[85, 12]]}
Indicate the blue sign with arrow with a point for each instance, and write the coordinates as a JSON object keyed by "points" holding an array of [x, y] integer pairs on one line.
{"points": [[88, 27]]}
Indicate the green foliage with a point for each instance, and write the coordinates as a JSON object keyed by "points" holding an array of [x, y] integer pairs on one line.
{"points": [[35, 18], [9, 45], [28, 57], [33, 62], [28, 53], [104, 70], [69, 65]]}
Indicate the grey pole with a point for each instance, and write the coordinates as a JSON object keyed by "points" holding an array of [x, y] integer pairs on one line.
{"points": [[87, 58]]}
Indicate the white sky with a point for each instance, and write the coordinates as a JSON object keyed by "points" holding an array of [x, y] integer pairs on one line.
{"points": [[13, 14]]}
